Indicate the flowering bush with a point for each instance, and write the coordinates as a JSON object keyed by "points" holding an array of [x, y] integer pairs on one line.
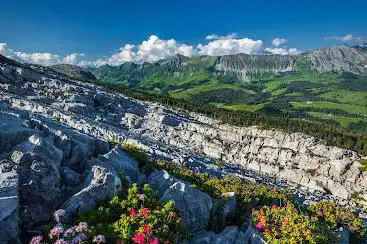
{"points": [[71, 235], [137, 216], [337, 217], [147, 220], [133, 216], [288, 225], [248, 195]]}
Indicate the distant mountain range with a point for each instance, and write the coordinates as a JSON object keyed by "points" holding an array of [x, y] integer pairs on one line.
{"points": [[327, 84], [244, 66]]}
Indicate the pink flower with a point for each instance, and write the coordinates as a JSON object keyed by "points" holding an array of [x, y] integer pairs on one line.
{"points": [[139, 238], [59, 214], [82, 226], [99, 239], [61, 241], [69, 232], [259, 227], [147, 229], [145, 213], [141, 197], [56, 231], [154, 241], [36, 240], [79, 238], [274, 206], [132, 213]]}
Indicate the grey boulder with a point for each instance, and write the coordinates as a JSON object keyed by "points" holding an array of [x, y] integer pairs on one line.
{"points": [[9, 202], [99, 184], [230, 235], [194, 205]]}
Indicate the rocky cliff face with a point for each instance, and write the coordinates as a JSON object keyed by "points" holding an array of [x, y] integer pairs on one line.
{"points": [[249, 67], [244, 66], [54, 128], [338, 59]]}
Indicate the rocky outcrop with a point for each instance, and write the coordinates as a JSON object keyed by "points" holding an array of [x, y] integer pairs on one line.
{"points": [[99, 184], [72, 71], [338, 59], [184, 138], [9, 202], [231, 234], [54, 133], [194, 205]]}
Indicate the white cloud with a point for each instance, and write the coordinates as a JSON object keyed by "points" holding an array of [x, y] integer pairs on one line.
{"points": [[4, 49], [217, 37], [72, 58], [150, 50], [279, 41], [38, 58], [155, 49], [231, 46], [346, 38], [283, 51], [95, 63], [126, 54]]}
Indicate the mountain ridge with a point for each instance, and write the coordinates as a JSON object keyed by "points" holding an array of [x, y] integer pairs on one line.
{"points": [[334, 59]]}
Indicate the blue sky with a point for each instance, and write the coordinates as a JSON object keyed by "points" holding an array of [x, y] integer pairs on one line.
{"points": [[98, 29]]}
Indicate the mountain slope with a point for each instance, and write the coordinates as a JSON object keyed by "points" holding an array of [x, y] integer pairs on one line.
{"points": [[189, 139], [72, 71], [54, 155], [327, 85]]}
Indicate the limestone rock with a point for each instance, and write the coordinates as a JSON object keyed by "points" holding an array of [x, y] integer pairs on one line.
{"points": [[193, 204], [9, 202], [99, 183]]}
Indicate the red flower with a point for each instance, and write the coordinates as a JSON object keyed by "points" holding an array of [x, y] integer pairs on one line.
{"points": [[154, 241], [259, 227], [274, 206], [147, 229], [139, 238], [145, 213], [285, 221], [132, 213]]}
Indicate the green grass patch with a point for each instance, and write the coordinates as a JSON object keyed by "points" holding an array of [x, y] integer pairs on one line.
{"points": [[344, 121], [246, 107], [323, 104], [345, 96]]}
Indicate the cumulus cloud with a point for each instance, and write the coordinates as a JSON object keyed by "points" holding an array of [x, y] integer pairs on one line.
{"points": [[4, 49], [73, 58], [279, 41], [155, 48], [231, 46], [346, 38], [38, 58], [125, 54], [150, 50], [217, 37], [283, 51], [44, 58]]}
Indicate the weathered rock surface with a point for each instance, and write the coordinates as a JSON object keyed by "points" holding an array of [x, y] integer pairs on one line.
{"points": [[9, 202], [53, 128], [194, 205], [100, 184], [231, 234]]}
